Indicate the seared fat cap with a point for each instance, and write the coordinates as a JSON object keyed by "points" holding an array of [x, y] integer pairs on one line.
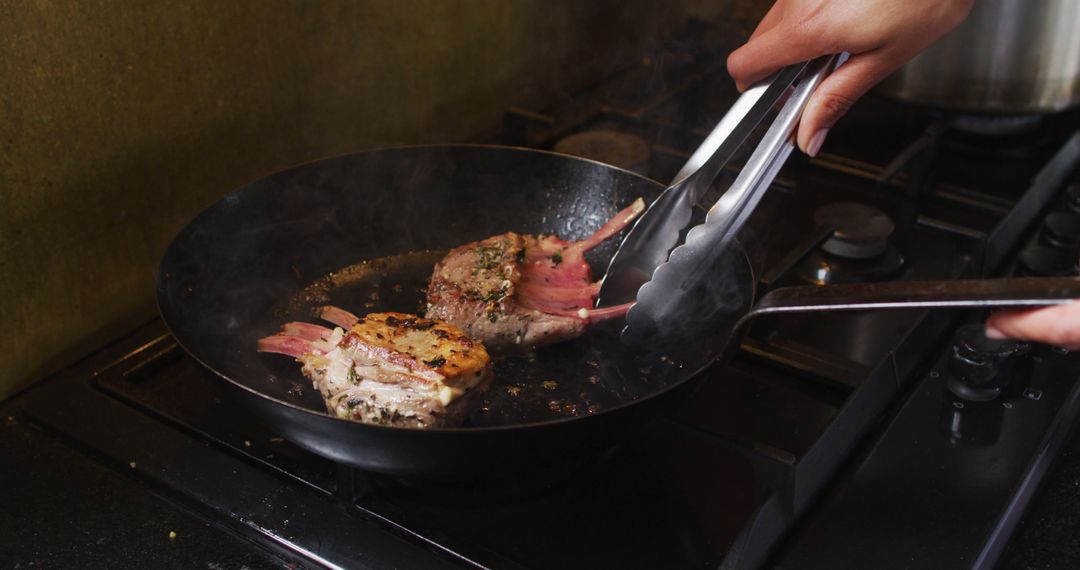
{"points": [[399, 369], [432, 350]]}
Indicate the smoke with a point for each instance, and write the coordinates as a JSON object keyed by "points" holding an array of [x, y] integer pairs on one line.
{"points": [[695, 298]]}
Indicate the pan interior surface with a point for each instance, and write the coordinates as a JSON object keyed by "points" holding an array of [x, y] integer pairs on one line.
{"points": [[364, 231]]}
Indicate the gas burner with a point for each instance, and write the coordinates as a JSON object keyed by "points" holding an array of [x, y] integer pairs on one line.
{"points": [[610, 147], [820, 268], [860, 231], [997, 137], [1062, 230], [1046, 261], [858, 249], [996, 125]]}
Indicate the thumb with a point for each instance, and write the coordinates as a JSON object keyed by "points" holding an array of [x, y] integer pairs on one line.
{"points": [[1057, 326], [835, 96]]}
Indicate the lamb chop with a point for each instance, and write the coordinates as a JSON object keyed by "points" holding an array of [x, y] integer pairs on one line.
{"points": [[514, 292], [388, 368]]}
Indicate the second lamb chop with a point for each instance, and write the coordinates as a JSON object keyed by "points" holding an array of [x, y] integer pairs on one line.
{"points": [[514, 292]]}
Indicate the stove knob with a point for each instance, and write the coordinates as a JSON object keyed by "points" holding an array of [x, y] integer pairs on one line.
{"points": [[968, 423], [980, 367], [1046, 261], [1062, 230]]}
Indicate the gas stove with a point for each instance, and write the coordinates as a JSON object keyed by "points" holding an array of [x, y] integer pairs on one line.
{"points": [[847, 440]]}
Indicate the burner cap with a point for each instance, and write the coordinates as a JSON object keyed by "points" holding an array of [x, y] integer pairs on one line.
{"points": [[610, 147], [862, 232]]}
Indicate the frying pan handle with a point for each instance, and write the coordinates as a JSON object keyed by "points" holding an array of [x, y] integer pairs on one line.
{"points": [[1012, 293]]}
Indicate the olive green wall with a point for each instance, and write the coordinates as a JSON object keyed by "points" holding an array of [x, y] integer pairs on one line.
{"points": [[120, 120]]}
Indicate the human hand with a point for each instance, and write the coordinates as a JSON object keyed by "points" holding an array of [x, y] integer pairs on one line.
{"points": [[880, 35], [1057, 326]]}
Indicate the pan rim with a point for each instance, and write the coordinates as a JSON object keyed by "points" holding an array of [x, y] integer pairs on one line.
{"points": [[435, 431]]}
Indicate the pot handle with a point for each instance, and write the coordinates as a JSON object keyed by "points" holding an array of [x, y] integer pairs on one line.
{"points": [[1014, 293]]}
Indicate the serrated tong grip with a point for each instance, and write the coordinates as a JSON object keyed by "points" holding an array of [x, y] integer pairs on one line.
{"points": [[657, 299]]}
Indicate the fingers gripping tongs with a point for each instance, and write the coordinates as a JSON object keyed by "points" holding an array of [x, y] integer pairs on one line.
{"points": [[642, 268]]}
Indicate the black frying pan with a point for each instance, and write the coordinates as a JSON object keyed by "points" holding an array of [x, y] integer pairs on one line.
{"points": [[363, 231]]}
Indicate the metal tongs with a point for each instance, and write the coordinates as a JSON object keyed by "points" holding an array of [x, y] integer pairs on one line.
{"points": [[642, 268]]}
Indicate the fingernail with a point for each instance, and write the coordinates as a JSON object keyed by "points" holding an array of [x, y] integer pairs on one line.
{"points": [[816, 141], [994, 333]]}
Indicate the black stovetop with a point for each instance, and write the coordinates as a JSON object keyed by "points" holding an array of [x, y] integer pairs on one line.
{"points": [[826, 441], [716, 482], [107, 459]]}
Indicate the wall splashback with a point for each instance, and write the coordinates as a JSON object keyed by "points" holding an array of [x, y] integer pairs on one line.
{"points": [[120, 121]]}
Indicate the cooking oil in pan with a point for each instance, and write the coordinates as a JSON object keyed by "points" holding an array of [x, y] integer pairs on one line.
{"points": [[569, 379]]}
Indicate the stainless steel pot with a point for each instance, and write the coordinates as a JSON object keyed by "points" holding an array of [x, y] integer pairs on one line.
{"points": [[1009, 56]]}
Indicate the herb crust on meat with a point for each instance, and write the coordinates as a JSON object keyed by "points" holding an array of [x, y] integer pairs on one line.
{"points": [[514, 292], [389, 368]]}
